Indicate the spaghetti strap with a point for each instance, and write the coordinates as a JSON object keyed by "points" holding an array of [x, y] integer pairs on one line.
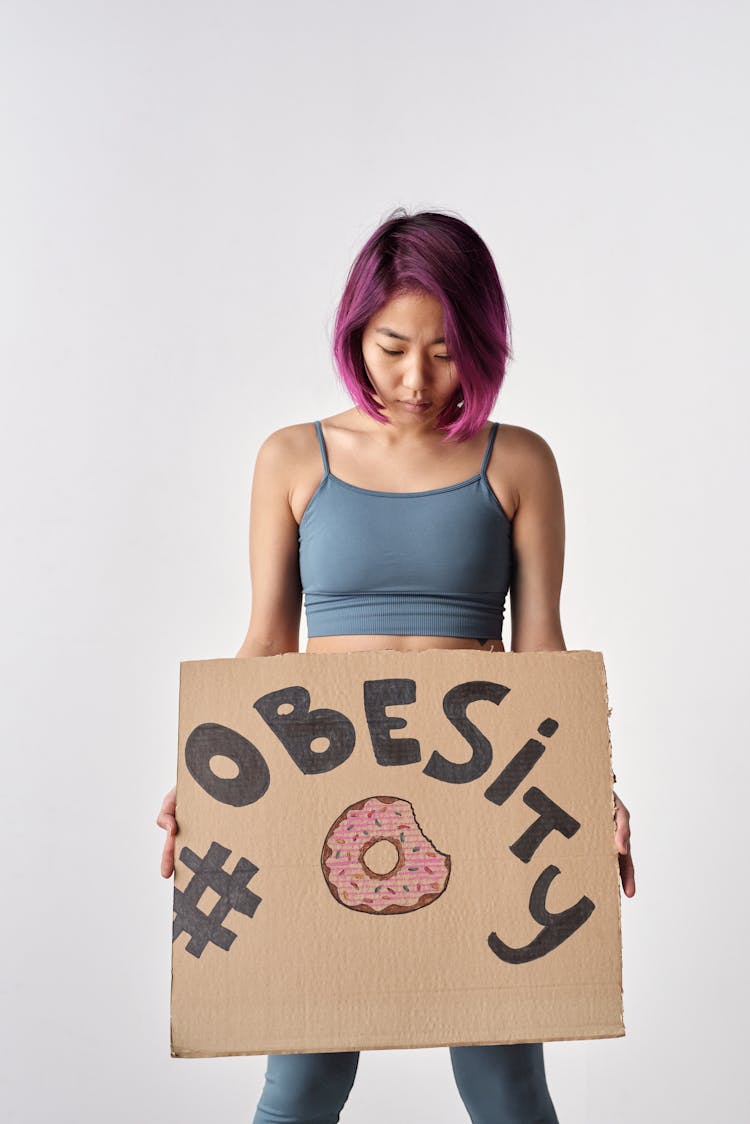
{"points": [[322, 444], [488, 450]]}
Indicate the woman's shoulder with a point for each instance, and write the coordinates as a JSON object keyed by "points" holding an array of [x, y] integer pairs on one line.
{"points": [[289, 438], [282, 450], [297, 445], [300, 432], [530, 469], [526, 443], [294, 448], [527, 463]]}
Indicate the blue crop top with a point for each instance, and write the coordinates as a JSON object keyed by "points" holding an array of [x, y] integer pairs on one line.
{"points": [[431, 563]]}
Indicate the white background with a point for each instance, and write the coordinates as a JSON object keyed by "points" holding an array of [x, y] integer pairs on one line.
{"points": [[184, 187]]}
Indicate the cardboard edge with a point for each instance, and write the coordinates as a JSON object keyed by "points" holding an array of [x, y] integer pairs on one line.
{"points": [[613, 782], [615, 1031], [381, 654], [172, 1048]]}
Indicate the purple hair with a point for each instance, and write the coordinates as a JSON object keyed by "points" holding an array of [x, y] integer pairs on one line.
{"points": [[442, 255]]}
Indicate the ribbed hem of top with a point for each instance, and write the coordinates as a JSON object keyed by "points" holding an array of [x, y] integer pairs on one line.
{"points": [[403, 614]]}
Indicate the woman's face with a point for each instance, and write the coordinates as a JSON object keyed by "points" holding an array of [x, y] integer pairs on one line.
{"points": [[407, 360]]}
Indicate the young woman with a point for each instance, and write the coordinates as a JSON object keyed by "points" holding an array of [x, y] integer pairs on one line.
{"points": [[405, 521]]}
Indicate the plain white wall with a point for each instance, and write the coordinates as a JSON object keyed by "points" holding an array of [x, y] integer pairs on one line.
{"points": [[184, 187]]}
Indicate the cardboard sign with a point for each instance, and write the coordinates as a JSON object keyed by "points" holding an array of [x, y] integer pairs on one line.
{"points": [[382, 850]]}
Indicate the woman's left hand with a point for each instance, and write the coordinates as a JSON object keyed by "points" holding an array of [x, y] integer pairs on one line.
{"points": [[622, 839]]}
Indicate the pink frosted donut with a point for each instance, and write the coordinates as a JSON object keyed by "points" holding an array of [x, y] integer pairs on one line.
{"points": [[421, 872]]}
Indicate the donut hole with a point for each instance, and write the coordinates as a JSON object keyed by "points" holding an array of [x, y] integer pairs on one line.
{"points": [[381, 858]]}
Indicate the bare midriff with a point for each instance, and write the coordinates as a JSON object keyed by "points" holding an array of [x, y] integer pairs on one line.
{"points": [[398, 643]]}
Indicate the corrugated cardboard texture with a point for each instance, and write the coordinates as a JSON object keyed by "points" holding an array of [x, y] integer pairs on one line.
{"points": [[500, 767]]}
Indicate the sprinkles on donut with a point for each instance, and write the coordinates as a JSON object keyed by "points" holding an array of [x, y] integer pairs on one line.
{"points": [[419, 876]]}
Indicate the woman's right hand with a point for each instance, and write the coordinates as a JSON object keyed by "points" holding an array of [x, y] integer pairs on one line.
{"points": [[166, 819]]}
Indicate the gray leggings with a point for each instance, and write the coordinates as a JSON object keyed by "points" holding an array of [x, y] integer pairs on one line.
{"points": [[497, 1084]]}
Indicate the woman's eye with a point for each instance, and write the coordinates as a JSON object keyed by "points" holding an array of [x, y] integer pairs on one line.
{"points": [[385, 349]]}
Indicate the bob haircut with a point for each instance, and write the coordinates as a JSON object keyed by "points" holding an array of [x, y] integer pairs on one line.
{"points": [[439, 254]]}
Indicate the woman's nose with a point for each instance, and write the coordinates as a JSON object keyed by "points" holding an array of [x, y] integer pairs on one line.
{"points": [[415, 377]]}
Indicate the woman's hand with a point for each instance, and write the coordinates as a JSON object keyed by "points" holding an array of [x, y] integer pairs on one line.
{"points": [[622, 839], [166, 819]]}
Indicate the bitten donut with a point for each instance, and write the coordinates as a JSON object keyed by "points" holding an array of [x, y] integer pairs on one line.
{"points": [[421, 872]]}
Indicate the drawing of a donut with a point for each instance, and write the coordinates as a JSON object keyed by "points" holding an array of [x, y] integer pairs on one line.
{"points": [[419, 876]]}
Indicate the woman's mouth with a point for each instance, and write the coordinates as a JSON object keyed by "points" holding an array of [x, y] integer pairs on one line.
{"points": [[416, 407]]}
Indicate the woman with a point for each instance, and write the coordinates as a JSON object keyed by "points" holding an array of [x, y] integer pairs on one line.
{"points": [[422, 339]]}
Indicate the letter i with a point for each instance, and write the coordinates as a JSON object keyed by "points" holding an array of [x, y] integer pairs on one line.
{"points": [[519, 767]]}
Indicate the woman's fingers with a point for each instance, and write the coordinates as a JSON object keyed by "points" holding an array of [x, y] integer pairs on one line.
{"points": [[166, 819], [622, 825], [167, 855], [627, 873], [622, 841]]}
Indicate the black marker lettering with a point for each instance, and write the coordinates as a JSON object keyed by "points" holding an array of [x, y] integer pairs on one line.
{"points": [[382, 693], [557, 926], [212, 740], [297, 730], [454, 707]]}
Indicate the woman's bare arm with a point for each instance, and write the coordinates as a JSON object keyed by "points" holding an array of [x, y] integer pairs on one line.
{"points": [[538, 546], [276, 598]]}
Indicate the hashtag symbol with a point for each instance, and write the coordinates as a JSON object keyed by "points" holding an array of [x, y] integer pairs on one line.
{"points": [[209, 873]]}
